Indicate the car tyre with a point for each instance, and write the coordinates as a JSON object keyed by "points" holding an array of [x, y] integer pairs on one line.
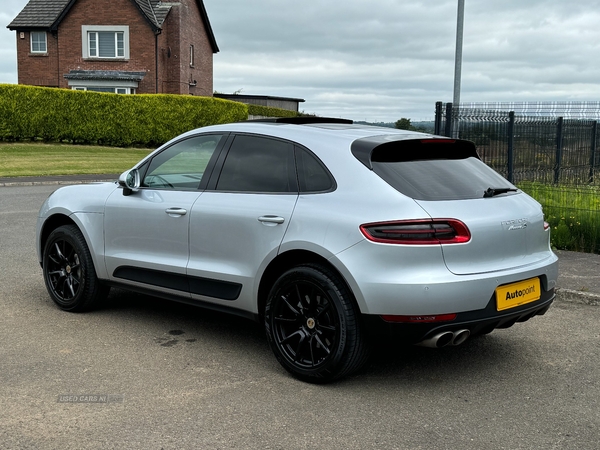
{"points": [[313, 325], [69, 271]]}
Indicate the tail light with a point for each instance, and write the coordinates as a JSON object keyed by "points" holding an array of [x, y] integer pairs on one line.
{"points": [[417, 232]]}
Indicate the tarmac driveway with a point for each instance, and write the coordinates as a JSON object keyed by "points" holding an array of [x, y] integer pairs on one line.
{"points": [[145, 373]]}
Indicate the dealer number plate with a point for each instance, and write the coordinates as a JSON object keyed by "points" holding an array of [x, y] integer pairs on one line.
{"points": [[517, 294]]}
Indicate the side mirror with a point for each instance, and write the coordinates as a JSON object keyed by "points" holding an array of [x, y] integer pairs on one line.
{"points": [[130, 181]]}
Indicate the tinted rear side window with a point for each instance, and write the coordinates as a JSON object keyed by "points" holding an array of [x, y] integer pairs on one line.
{"points": [[434, 171], [258, 164], [312, 174]]}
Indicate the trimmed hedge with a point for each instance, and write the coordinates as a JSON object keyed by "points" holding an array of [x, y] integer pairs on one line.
{"points": [[52, 114]]}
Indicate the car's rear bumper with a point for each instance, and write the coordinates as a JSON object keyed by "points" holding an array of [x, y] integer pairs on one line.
{"points": [[476, 322], [415, 281]]}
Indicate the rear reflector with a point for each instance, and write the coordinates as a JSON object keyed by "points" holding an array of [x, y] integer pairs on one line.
{"points": [[417, 232], [420, 319]]}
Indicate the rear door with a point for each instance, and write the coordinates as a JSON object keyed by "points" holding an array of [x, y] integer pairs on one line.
{"points": [[238, 224]]}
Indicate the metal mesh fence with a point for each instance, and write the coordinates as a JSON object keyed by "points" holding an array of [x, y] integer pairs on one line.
{"points": [[547, 149], [531, 145]]}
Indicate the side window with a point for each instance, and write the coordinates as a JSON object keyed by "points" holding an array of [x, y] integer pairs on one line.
{"points": [[258, 164], [182, 165], [312, 174]]}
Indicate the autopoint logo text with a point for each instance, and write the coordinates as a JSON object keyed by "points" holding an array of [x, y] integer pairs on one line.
{"points": [[520, 292]]}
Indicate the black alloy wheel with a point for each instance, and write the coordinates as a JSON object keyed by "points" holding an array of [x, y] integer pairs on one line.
{"points": [[313, 326], [69, 271]]}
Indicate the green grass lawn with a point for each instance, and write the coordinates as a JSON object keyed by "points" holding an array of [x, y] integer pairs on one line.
{"points": [[573, 212], [37, 159]]}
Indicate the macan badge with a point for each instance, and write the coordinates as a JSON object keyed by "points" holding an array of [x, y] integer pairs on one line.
{"points": [[516, 224]]}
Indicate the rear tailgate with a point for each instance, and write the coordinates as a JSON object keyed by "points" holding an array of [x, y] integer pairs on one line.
{"points": [[507, 231], [449, 181]]}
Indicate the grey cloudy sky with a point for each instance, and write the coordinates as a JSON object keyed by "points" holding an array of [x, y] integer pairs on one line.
{"points": [[387, 59]]}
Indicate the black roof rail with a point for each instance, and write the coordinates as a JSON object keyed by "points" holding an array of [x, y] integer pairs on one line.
{"points": [[303, 120]]}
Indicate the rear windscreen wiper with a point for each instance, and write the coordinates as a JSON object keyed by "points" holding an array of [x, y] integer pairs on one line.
{"points": [[491, 192]]}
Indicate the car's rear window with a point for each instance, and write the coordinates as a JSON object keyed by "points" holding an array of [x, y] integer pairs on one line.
{"points": [[435, 170]]}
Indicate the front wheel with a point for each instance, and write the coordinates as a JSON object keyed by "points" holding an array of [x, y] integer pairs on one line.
{"points": [[313, 326], [69, 271]]}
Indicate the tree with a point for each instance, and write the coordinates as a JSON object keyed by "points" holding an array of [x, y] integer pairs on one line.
{"points": [[404, 124]]}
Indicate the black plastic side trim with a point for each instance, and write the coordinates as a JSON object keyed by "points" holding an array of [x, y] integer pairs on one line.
{"points": [[184, 299], [224, 290], [208, 287], [177, 282]]}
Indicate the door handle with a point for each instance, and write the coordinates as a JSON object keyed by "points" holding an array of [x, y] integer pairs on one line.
{"points": [[176, 211], [271, 219]]}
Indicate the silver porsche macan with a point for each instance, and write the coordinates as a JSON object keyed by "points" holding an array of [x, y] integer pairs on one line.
{"points": [[333, 235]]}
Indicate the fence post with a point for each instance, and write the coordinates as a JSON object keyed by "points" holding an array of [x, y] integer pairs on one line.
{"points": [[448, 131], [559, 149], [438, 118], [593, 152], [511, 146]]}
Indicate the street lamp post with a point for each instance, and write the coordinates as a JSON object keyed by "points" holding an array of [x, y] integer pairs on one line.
{"points": [[458, 59]]}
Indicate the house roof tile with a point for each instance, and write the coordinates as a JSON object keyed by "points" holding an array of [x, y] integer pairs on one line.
{"points": [[149, 7], [39, 14]]}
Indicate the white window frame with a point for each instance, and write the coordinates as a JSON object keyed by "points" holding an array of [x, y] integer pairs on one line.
{"points": [[38, 33], [118, 87], [192, 55], [86, 30]]}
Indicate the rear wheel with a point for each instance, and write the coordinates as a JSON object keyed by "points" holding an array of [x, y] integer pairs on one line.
{"points": [[69, 271], [313, 326]]}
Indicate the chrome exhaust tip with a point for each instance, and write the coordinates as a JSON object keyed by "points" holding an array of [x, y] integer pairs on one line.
{"points": [[460, 336], [439, 340]]}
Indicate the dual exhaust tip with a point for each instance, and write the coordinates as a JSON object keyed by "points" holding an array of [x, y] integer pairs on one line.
{"points": [[446, 338]]}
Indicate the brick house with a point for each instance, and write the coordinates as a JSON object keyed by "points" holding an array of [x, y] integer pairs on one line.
{"points": [[121, 46]]}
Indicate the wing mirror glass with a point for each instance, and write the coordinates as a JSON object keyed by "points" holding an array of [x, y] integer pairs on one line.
{"points": [[130, 181]]}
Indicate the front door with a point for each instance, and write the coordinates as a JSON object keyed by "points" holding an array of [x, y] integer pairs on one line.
{"points": [[147, 232]]}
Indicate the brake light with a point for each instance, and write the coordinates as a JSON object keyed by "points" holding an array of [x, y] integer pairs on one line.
{"points": [[417, 232], [546, 225], [420, 319]]}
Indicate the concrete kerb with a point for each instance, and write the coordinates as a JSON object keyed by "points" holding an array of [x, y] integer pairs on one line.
{"points": [[56, 180], [579, 273], [570, 295]]}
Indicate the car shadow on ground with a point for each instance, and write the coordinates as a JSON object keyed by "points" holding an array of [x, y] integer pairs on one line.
{"points": [[184, 315], [390, 362], [482, 357]]}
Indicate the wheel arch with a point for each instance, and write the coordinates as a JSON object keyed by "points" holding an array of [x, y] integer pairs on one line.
{"points": [[49, 225], [286, 261], [91, 230]]}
